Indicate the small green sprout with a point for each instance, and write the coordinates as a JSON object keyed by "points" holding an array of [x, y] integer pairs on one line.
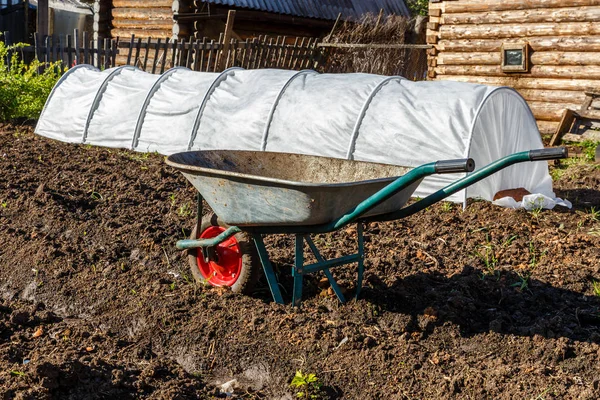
{"points": [[446, 206], [307, 386], [487, 254], [185, 210], [595, 214], [535, 255], [523, 282]]}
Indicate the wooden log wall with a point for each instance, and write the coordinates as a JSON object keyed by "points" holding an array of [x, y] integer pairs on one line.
{"points": [[101, 24], [144, 18], [564, 47]]}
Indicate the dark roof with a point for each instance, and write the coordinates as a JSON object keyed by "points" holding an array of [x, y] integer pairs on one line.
{"points": [[322, 9]]}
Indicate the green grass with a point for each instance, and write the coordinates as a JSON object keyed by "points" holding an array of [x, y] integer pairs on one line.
{"points": [[185, 210], [487, 254], [588, 149], [594, 214], [535, 255], [523, 282]]}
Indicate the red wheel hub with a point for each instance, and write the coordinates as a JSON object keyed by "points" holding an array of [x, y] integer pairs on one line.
{"points": [[225, 269]]}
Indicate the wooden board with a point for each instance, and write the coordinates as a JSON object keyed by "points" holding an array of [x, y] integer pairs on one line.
{"points": [[563, 126]]}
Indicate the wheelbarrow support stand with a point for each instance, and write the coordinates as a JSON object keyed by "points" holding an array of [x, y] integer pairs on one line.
{"points": [[299, 269]]}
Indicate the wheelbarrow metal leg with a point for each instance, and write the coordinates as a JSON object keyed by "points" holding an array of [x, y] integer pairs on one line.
{"points": [[268, 268], [326, 271], [298, 271], [361, 258], [198, 214]]}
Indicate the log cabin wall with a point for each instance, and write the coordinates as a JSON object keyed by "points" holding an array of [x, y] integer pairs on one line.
{"points": [[101, 21], [145, 18], [563, 37]]}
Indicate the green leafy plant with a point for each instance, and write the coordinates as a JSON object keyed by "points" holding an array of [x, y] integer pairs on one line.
{"points": [[418, 7], [307, 386], [596, 285], [23, 91], [446, 206], [588, 148]]}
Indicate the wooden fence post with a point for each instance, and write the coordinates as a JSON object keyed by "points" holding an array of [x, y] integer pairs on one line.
{"points": [[42, 17], [226, 39], [6, 39]]}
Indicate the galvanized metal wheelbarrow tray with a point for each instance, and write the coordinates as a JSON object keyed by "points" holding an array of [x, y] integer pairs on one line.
{"points": [[263, 193]]}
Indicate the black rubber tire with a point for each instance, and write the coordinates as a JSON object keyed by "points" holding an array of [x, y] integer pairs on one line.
{"points": [[250, 261]]}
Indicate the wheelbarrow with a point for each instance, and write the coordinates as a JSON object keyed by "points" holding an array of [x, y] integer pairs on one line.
{"points": [[254, 194]]}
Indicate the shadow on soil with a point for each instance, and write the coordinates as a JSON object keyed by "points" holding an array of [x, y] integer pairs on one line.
{"points": [[506, 303], [576, 196]]}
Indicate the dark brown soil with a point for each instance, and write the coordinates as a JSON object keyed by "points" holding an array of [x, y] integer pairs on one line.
{"points": [[96, 302]]}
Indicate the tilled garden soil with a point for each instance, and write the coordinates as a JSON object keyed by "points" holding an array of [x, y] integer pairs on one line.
{"points": [[96, 302]]}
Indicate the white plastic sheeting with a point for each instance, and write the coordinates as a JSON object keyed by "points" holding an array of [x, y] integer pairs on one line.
{"points": [[356, 116]]}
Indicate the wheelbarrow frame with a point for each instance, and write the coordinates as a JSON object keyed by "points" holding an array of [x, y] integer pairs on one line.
{"points": [[356, 215]]}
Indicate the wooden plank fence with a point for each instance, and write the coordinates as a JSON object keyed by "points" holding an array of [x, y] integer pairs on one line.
{"points": [[158, 55]]}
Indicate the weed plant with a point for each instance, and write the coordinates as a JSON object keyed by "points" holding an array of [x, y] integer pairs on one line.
{"points": [[418, 7], [307, 386], [23, 91], [487, 254], [588, 148]]}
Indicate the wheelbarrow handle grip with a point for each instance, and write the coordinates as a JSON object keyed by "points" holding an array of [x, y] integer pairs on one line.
{"points": [[450, 166], [553, 153]]}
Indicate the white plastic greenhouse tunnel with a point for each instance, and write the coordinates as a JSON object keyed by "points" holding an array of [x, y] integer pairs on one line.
{"points": [[364, 117]]}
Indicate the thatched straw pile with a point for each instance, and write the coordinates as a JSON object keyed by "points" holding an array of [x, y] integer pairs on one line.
{"points": [[373, 29]]}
